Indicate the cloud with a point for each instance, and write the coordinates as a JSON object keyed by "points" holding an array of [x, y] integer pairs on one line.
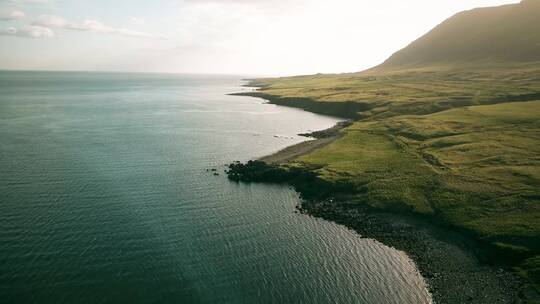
{"points": [[261, 4], [51, 21], [89, 25], [16, 14], [10, 31], [30, 31], [27, 1], [250, 2], [137, 21]]}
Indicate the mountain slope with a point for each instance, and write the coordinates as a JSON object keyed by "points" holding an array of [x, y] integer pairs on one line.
{"points": [[492, 34]]}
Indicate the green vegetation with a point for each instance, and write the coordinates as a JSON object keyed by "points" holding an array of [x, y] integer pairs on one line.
{"points": [[476, 168], [448, 128], [413, 91]]}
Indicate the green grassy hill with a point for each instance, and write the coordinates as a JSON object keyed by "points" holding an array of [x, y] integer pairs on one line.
{"points": [[447, 127], [486, 151], [492, 34], [413, 91], [476, 168]]}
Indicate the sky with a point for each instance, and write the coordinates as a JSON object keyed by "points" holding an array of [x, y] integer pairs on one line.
{"points": [[250, 37]]}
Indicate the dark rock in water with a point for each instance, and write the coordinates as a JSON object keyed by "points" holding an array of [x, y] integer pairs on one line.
{"points": [[306, 182]]}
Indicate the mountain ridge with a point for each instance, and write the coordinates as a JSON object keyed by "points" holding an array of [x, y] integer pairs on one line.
{"points": [[507, 33]]}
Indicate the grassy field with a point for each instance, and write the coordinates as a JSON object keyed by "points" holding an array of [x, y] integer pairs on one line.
{"points": [[459, 145], [448, 127], [478, 167], [414, 91]]}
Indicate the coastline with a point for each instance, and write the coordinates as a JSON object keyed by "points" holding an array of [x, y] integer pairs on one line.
{"points": [[457, 268], [320, 139], [346, 110], [454, 267]]}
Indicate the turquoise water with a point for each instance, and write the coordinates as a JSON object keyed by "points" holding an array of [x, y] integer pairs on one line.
{"points": [[106, 198]]}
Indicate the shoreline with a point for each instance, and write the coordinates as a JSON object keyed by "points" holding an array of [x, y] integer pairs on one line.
{"points": [[453, 265], [345, 110], [319, 139], [456, 267]]}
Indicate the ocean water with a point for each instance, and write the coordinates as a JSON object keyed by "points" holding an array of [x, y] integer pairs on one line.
{"points": [[105, 197]]}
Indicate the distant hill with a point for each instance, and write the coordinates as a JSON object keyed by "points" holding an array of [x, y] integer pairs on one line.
{"points": [[493, 34]]}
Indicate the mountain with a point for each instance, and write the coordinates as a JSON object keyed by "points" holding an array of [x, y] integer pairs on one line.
{"points": [[508, 33]]}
